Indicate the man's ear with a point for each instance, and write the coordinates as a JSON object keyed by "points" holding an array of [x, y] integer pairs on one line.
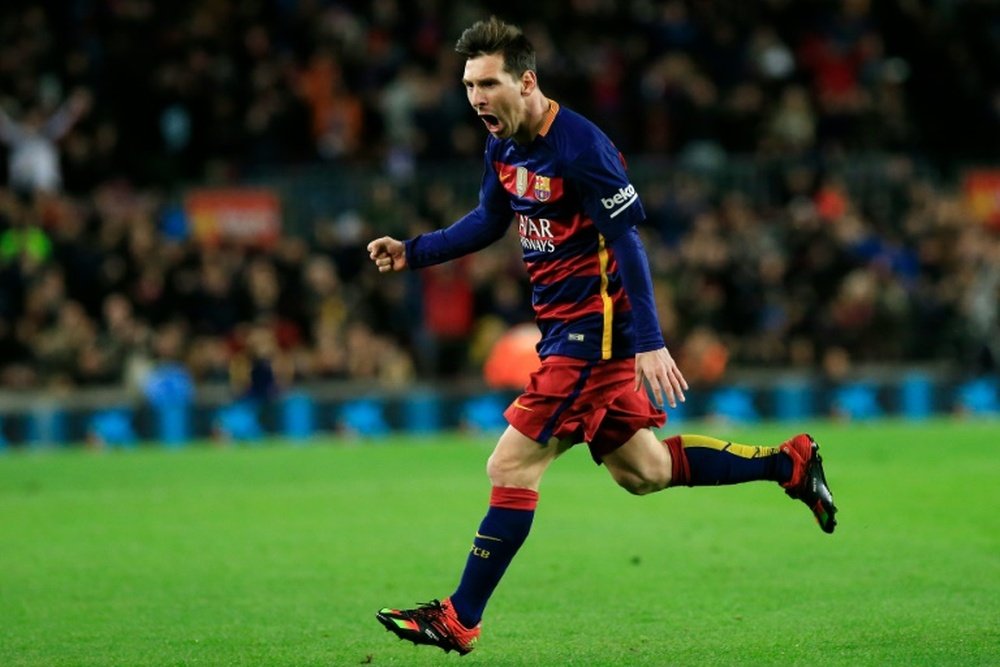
{"points": [[529, 81]]}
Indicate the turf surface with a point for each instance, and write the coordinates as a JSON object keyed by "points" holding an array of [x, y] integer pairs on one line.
{"points": [[281, 554]]}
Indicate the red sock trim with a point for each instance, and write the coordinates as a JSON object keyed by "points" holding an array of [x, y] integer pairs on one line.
{"points": [[799, 449], [512, 498], [680, 469]]}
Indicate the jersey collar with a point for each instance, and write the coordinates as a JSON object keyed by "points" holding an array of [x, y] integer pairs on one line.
{"points": [[550, 116]]}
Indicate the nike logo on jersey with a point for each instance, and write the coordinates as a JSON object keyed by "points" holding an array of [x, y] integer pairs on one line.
{"points": [[517, 404]]}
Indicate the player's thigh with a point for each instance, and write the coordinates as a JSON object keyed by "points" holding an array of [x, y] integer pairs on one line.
{"points": [[642, 464], [519, 461]]}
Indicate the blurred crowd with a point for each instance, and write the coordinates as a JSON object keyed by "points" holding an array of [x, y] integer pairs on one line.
{"points": [[110, 108]]}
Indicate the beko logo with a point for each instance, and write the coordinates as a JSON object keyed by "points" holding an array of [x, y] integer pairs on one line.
{"points": [[621, 200]]}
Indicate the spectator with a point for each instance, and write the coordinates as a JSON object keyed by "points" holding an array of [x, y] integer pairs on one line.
{"points": [[34, 154]]}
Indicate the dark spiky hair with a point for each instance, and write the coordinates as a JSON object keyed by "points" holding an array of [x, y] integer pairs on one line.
{"points": [[494, 36]]}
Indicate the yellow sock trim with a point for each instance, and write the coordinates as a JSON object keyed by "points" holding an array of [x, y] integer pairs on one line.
{"points": [[744, 451]]}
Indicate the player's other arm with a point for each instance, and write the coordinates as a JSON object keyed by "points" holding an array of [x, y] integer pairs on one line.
{"points": [[477, 229], [653, 361], [612, 202], [472, 232]]}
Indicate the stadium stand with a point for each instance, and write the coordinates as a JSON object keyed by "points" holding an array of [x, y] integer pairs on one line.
{"points": [[807, 169]]}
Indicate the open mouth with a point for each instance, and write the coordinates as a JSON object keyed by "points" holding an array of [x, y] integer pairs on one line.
{"points": [[491, 122]]}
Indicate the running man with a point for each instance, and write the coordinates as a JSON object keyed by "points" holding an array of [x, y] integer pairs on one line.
{"points": [[566, 185]]}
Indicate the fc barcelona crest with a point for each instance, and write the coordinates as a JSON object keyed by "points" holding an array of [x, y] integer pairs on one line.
{"points": [[522, 181], [543, 188]]}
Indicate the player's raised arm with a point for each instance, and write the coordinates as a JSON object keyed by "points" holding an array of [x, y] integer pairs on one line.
{"points": [[472, 232]]}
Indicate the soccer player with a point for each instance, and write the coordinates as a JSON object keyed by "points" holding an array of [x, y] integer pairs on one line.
{"points": [[566, 185]]}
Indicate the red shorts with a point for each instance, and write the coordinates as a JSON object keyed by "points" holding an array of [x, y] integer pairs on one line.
{"points": [[584, 401]]}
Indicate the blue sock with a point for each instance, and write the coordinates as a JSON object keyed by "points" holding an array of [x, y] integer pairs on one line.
{"points": [[700, 460], [500, 535]]}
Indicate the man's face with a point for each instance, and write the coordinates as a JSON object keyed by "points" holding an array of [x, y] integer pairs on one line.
{"points": [[496, 95]]}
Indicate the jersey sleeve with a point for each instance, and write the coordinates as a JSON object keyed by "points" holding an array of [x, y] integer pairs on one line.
{"points": [[477, 229], [611, 201], [606, 194], [638, 283]]}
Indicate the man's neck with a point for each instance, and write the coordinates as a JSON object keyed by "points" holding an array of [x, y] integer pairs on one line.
{"points": [[538, 109]]}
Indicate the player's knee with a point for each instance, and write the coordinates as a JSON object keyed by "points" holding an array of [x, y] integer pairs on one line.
{"points": [[637, 486], [641, 483], [501, 471], [492, 468]]}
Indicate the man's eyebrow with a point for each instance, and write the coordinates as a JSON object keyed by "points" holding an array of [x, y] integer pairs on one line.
{"points": [[485, 79]]}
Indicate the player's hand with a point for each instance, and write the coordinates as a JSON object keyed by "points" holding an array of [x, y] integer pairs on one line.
{"points": [[388, 254], [660, 370]]}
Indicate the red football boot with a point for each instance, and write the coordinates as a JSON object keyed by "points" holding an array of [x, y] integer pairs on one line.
{"points": [[808, 482], [433, 623]]}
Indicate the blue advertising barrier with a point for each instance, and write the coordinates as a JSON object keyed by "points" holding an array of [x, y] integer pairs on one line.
{"points": [[484, 413], [47, 425], [298, 416], [112, 428], [171, 417], [422, 413], [857, 401], [173, 423], [239, 422], [364, 417], [978, 397], [793, 400], [916, 396], [733, 403]]}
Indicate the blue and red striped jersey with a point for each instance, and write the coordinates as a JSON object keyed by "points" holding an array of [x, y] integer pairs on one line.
{"points": [[576, 214]]}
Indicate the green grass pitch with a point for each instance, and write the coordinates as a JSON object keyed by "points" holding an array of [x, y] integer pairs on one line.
{"points": [[282, 554]]}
